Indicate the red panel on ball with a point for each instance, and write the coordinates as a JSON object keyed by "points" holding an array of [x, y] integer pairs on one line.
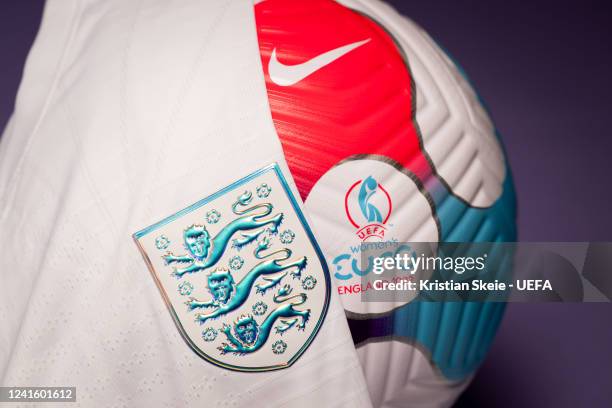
{"points": [[348, 103]]}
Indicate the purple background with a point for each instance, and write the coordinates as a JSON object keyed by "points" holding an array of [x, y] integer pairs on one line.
{"points": [[544, 69]]}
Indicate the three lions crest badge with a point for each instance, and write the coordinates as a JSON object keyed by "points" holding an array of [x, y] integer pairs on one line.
{"points": [[241, 274]]}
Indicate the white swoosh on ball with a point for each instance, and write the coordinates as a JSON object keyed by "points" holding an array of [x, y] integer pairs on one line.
{"points": [[287, 75]]}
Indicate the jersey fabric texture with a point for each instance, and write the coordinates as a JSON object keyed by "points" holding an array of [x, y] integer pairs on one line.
{"points": [[129, 111]]}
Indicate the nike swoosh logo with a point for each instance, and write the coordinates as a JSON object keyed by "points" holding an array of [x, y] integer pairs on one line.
{"points": [[287, 75]]}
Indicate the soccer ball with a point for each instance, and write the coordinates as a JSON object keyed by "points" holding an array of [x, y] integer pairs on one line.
{"points": [[388, 142], [131, 111]]}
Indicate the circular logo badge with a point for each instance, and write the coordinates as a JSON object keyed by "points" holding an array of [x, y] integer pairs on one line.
{"points": [[365, 207]]}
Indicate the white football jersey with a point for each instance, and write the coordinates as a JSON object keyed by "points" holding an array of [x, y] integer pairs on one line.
{"points": [[128, 112]]}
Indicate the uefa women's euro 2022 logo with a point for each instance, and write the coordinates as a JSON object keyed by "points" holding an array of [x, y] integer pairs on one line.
{"points": [[241, 274], [374, 208], [362, 206]]}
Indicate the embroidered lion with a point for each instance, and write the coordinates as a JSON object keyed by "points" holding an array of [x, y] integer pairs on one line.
{"points": [[205, 252], [248, 336], [227, 295]]}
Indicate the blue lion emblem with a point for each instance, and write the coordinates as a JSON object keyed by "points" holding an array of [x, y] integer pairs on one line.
{"points": [[235, 270], [227, 295], [248, 336], [205, 252]]}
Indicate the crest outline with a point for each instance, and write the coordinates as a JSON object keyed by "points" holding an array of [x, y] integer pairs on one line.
{"points": [[295, 207]]}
